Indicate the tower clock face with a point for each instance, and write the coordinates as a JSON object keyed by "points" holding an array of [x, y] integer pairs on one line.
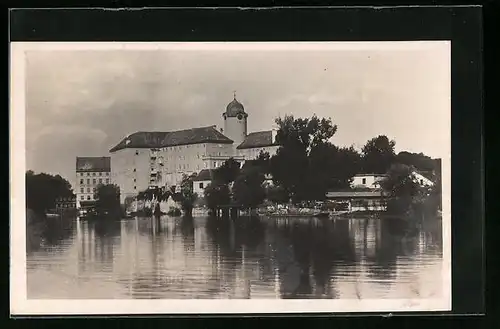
{"points": [[240, 116]]}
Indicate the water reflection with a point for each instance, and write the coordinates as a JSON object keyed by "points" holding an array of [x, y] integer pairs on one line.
{"points": [[188, 257]]}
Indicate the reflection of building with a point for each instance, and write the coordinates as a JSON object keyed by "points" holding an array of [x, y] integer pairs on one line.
{"points": [[151, 159], [90, 172]]}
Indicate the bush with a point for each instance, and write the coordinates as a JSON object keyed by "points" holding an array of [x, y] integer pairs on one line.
{"points": [[174, 212]]}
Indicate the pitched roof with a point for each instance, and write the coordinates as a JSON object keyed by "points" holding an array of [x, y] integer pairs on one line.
{"points": [[93, 164], [258, 139], [205, 174], [354, 194], [158, 139], [370, 174]]}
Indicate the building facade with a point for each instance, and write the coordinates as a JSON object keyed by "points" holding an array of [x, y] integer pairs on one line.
{"points": [[371, 181], [156, 159], [90, 172]]}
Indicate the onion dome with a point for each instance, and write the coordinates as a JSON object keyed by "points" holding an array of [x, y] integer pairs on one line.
{"points": [[235, 109]]}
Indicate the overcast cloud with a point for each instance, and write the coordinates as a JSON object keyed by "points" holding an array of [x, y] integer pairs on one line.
{"points": [[82, 103]]}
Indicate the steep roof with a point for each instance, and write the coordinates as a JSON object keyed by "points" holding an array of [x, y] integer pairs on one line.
{"points": [[157, 139], [258, 139], [205, 174], [93, 164]]}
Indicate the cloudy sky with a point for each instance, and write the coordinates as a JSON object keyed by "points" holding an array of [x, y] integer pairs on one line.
{"points": [[83, 102]]}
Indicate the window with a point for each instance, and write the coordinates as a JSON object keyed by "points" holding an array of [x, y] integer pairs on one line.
{"points": [[88, 180], [136, 152], [135, 180], [421, 182], [88, 189], [81, 190], [107, 180], [88, 174], [88, 197], [82, 197], [93, 181], [135, 187], [100, 174], [135, 170], [363, 181], [100, 180], [215, 164], [93, 174], [107, 174], [81, 181], [201, 185]]}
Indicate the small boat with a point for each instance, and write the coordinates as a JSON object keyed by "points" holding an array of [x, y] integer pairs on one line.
{"points": [[51, 215]]}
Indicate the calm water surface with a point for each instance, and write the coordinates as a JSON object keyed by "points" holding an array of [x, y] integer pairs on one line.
{"points": [[172, 258]]}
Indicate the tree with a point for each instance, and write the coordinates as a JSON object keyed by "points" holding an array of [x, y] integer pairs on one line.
{"points": [[187, 196], [263, 161], [42, 190], [406, 196], [276, 194], [227, 172], [378, 155], [216, 194], [418, 160], [248, 188], [107, 199], [302, 164]]}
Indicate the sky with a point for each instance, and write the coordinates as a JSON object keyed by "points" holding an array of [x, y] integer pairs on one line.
{"points": [[83, 102]]}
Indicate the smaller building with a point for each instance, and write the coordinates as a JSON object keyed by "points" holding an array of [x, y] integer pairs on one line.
{"points": [[359, 200], [201, 181], [371, 181], [422, 180]]}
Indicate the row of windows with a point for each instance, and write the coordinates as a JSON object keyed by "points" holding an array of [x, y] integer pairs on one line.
{"points": [[94, 181], [82, 190], [94, 174], [89, 197]]}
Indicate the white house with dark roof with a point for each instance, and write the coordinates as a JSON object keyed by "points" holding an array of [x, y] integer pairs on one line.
{"points": [[154, 159], [90, 172]]}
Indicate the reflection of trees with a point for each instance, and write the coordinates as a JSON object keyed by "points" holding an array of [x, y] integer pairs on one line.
{"points": [[394, 237], [317, 246], [49, 233], [106, 232], [187, 230], [234, 242]]}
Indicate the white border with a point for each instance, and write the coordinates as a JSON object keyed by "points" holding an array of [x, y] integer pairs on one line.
{"points": [[19, 303]]}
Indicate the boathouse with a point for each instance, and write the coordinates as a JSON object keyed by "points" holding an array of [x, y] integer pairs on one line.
{"points": [[359, 200]]}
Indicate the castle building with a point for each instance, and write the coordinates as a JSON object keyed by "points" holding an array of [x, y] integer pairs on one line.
{"points": [[155, 159], [90, 172]]}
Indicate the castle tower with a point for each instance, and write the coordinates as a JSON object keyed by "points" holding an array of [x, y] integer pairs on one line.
{"points": [[235, 122]]}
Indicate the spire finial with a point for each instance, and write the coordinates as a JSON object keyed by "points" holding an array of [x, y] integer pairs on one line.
{"points": [[234, 94]]}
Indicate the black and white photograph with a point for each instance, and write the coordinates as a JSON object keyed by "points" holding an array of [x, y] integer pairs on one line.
{"points": [[230, 177]]}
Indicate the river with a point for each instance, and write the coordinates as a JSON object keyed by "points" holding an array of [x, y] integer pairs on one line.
{"points": [[174, 258]]}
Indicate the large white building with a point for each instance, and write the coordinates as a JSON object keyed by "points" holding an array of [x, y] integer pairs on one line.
{"points": [[90, 172], [155, 159]]}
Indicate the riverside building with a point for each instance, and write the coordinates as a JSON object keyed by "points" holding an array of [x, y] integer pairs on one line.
{"points": [[90, 172], [148, 159]]}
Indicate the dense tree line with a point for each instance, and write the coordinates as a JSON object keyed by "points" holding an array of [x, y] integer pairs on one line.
{"points": [[42, 191], [307, 165]]}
